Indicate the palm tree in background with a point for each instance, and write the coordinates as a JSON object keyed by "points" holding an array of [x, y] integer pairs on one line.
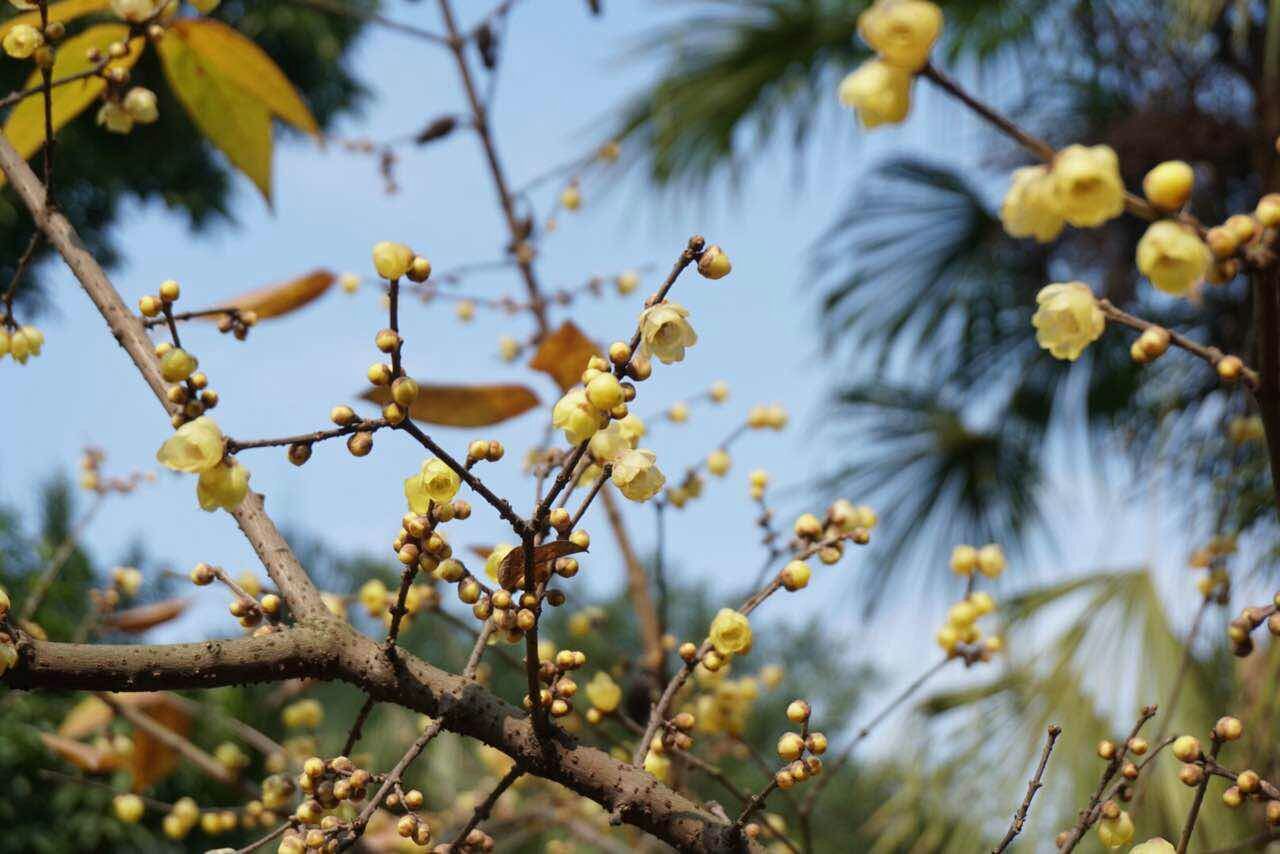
{"points": [[946, 400]]}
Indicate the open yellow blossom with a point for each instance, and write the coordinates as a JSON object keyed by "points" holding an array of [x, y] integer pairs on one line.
{"points": [[1158, 845], [1030, 208], [603, 693], [435, 482], [222, 486], [632, 428], [196, 446], [665, 331], [1067, 319], [901, 31], [730, 632], [879, 92], [575, 415], [610, 443], [1090, 190], [22, 40], [1173, 257], [636, 475], [494, 560]]}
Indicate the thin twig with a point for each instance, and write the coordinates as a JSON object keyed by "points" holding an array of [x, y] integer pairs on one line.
{"points": [[485, 807], [1020, 816]]}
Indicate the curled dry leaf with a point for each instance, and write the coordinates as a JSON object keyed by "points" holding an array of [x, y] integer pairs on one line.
{"points": [[563, 355], [511, 571], [144, 617], [463, 405], [86, 757], [284, 297]]}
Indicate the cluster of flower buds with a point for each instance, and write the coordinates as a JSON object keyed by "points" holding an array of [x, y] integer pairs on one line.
{"points": [[92, 480], [554, 671], [20, 342], [190, 389], [1215, 583], [246, 606], [960, 634], [1240, 630], [801, 750], [1247, 784]]}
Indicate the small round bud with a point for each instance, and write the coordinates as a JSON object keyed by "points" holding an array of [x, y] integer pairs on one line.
{"points": [[170, 290], [404, 391], [202, 575], [798, 711], [1168, 185], [343, 415], [1186, 748], [360, 444], [419, 270], [387, 340], [149, 305], [1232, 797], [1138, 746], [1228, 728], [790, 746], [379, 374], [1230, 368], [714, 264], [299, 453], [1106, 749], [1248, 782]]}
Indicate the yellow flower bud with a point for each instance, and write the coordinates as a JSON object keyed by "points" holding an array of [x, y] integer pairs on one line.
{"points": [[465, 310], [128, 808], [140, 104], [1173, 257], [627, 282], [222, 486], [719, 391], [197, 446], [434, 482], [349, 282], [1158, 845], [902, 32], [508, 348], [114, 118], [790, 746], [1067, 319], [991, 560], [678, 413], [964, 560], [718, 462], [714, 264], [571, 198], [636, 475], [795, 575], [1186, 748], [604, 392], [1030, 207], [177, 364], [392, 260], [1168, 185], [1090, 190], [879, 92], [730, 633]]}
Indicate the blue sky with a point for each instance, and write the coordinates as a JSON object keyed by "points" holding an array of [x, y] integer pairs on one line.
{"points": [[562, 72]]}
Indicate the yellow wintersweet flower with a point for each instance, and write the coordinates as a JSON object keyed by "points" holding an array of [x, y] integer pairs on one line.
{"points": [[435, 482], [575, 415], [196, 446], [657, 765], [631, 427], [603, 693], [222, 486], [610, 443], [22, 40], [991, 560], [878, 91], [636, 475], [1031, 208], [304, 714], [1068, 319], [392, 260], [1114, 832], [1173, 257], [1090, 190], [718, 462], [666, 332], [373, 596], [730, 632], [901, 31], [494, 560], [1158, 845], [129, 808]]}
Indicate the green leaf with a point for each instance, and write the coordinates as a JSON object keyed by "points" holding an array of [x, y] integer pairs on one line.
{"points": [[241, 62], [25, 125], [234, 120]]}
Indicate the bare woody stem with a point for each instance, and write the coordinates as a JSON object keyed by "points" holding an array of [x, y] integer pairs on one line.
{"points": [[1212, 355], [485, 807], [1020, 816], [318, 645], [393, 778], [1189, 826], [480, 122]]}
